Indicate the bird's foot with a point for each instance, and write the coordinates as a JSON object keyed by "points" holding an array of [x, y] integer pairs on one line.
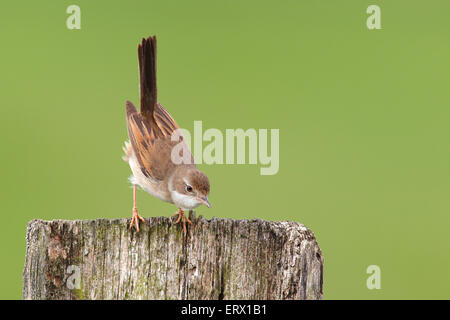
{"points": [[182, 217], [135, 219]]}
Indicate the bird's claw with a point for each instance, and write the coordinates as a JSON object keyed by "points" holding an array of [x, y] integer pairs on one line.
{"points": [[135, 219], [182, 217]]}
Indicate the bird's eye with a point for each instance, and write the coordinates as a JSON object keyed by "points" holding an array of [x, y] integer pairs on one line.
{"points": [[188, 188]]}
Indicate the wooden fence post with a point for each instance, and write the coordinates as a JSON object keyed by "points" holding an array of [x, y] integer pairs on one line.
{"points": [[217, 259]]}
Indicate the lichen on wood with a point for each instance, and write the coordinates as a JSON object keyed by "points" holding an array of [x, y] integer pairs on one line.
{"points": [[216, 259]]}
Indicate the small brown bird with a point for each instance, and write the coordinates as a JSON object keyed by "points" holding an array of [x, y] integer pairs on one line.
{"points": [[149, 150]]}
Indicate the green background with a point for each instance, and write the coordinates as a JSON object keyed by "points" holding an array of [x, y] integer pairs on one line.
{"points": [[363, 118]]}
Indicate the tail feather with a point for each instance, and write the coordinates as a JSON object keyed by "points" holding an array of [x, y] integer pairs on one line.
{"points": [[147, 75]]}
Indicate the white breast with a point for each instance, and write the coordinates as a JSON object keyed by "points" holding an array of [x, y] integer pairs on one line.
{"points": [[183, 201]]}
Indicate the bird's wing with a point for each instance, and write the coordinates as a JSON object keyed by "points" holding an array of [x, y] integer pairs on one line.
{"points": [[164, 121], [151, 143], [167, 126]]}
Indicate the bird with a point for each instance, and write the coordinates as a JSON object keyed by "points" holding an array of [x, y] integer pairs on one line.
{"points": [[148, 151]]}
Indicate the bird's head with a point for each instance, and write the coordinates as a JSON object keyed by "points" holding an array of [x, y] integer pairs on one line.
{"points": [[189, 188]]}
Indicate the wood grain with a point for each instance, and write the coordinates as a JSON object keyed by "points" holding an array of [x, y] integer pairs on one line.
{"points": [[217, 259]]}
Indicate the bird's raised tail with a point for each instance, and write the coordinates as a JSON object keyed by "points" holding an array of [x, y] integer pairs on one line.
{"points": [[147, 76]]}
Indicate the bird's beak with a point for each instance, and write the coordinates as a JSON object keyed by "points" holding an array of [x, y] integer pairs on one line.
{"points": [[205, 202]]}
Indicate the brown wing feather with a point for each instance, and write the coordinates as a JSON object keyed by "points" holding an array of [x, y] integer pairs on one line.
{"points": [[142, 139], [152, 147], [165, 122], [167, 126]]}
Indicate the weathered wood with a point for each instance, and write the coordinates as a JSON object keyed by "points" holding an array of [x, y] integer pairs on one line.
{"points": [[217, 259]]}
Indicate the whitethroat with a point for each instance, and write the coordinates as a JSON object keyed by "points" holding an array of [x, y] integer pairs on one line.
{"points": [[149, 150]]}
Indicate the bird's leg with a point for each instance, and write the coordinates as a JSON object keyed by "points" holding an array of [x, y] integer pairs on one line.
{"points": [[179, 213], [136, 217], [182, 216]]}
